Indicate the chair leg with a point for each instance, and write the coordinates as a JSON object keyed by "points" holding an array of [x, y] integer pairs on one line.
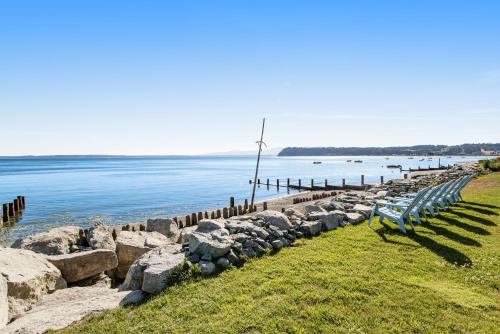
{"points": [[402, 225], [371, 217], [418, 218]]}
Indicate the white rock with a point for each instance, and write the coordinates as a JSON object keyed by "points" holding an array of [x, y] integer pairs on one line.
{"points": [[167, 227], [330, 220], [186, 232], [354, 217], [55, 241], [275, 218], [211, 244], [64, 307], [78, 266], [153, 271], [363, 209], [311, 228], [29, 276], [131, 245], [100, 237]]}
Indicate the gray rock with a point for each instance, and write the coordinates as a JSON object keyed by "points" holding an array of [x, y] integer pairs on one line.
{"points": [[275, 218], [311, 228], [153, 271], [167, 227], [363, 209], [210, 224], [207, 267], [131, 245], [223, 262], [310, 208], [53, 242], [100, 238], [213, 243], [78, 266], [194, 258], [134, 298], [354, 217], [330, 220], [232, 257], [277, 244], [249, 252], [186, 233]]}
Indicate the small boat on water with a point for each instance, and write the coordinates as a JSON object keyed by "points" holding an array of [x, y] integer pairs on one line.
{"points": [[386, 158], [421, 159], [394, 166], [349, 160], [358, 161], [410, 158], [317, 162]]}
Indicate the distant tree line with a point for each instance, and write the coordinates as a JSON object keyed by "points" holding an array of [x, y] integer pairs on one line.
{"points": [[464, 149]]}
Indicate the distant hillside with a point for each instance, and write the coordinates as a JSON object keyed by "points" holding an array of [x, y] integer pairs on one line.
{"points": [[464, 149]]}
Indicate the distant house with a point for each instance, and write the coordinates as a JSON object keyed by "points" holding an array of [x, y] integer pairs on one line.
{"points": [[485, 151]]}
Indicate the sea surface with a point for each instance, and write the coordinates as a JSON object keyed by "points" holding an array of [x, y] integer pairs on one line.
{"points": [[63, 191]]}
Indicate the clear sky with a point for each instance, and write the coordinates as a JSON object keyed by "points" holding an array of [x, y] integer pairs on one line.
{"points": [[186, 77]]}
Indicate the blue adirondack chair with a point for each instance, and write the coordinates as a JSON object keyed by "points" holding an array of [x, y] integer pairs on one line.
{"points": [[419, 207], [397, 217]]}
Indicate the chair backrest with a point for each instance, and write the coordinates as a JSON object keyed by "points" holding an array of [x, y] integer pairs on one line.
{"points": [[416, 200], [442, 190], [431, 193]]}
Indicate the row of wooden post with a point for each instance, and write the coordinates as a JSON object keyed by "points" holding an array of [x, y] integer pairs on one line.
{"points": [[268, 184], [11, 210], [226, 212]]}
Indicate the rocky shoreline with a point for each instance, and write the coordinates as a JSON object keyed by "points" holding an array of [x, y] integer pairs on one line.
{"points": [[52, 279]]}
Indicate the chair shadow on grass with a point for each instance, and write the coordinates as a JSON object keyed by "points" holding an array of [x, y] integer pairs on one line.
{"points": [[479, 210], [476, 219], [462, 225], [482, 204], [449, 254], [439, 230]]}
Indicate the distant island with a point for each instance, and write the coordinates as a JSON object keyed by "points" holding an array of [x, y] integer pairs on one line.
{"points": [[464, 149]]}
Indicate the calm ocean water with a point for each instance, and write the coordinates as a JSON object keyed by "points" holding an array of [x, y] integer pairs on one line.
{"points": [[78, 190]]}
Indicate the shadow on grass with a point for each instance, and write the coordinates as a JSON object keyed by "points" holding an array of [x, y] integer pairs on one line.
{"points": [[482, 204], [480, 220], [390, 231], [462, 225], [479, 210], [449, 254], [451, 235]]}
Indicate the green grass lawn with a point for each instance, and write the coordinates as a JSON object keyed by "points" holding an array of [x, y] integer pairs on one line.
{"points": [[444, 278]]}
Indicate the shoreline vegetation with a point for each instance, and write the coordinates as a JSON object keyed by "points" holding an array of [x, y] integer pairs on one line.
{"points": [[485, 149]]}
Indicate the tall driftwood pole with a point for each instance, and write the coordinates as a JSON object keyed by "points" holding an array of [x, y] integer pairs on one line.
{"points": [[260, 142]]}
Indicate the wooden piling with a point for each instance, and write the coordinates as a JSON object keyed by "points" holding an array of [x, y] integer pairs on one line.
{"points": [[16, 205], [11, 209], [24, 201], [343, 183], [188, 220], [194, 219], [218, 213], [278, 183], [224, 213], [114, 234], [267, 183], [231, 201], [312, 184], [20, 202], [246, 204], [326, 183], [264, 206], [405, 176], [300, 184], [240, 210], [200, 216], [288, 182], [142, 227], [206, 215], [258, 181], [212, 215], [381, 179], [5, 213], [362, 180]]}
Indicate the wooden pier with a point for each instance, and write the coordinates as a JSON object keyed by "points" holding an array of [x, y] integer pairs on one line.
{"points": [[12, 211]]}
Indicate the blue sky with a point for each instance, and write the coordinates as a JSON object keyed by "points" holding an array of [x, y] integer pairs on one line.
{"points": [[187, 77]]}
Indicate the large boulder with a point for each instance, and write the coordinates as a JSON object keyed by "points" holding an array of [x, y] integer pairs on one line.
{"points": [[167, 227], [153, 271], [313, 208], [53, 242], [210, 243], [100, 238], [354, 217], [330, 220], [29, 276], [78, 266], [237, 226], [131, 245], [275, 218], [311, 228], [365, 210], [64, 307], [186, 233], [4, 303]]}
